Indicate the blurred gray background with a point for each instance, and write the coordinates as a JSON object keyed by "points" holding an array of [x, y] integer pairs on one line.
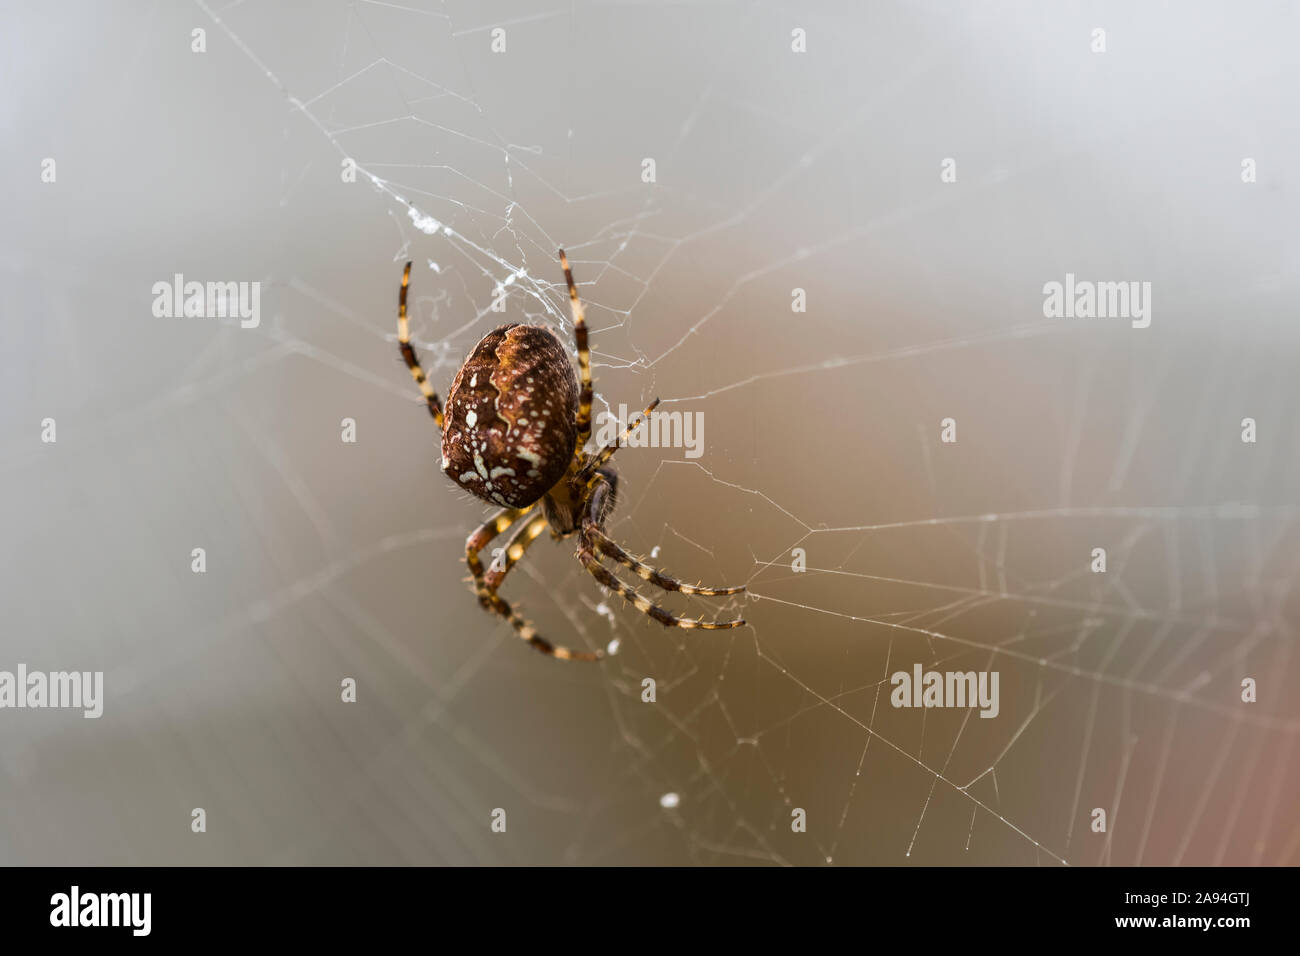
{"points": [[776, 170]]}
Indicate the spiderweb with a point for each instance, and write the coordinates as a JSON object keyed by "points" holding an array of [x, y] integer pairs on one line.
{"points": [[867, 543]]}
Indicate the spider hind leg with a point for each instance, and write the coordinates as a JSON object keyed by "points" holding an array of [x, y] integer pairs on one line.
{"points": [[584, 356], [408, 352]]}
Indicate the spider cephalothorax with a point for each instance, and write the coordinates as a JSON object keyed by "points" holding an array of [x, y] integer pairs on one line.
{"points": [[515, 431]]}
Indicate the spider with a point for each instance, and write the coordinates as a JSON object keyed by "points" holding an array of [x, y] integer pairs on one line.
{"points": [[513, 434]]}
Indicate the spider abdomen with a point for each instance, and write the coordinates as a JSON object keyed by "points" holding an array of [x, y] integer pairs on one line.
{"points": [[510, 416]]}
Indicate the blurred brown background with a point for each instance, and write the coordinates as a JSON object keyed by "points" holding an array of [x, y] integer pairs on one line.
{"points": [[775, 170]]}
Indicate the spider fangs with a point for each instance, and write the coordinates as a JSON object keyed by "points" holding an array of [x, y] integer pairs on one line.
{"points": [[514, 433]]}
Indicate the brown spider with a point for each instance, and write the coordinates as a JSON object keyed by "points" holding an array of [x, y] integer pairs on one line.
{"points": [[514, 434]]}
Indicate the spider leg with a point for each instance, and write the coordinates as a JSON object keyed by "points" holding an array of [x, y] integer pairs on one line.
{"points": [[487, 594], [526, 534], [584, 357], [484, 536], [605, 454], [602, 574], [408, 352], [607, 546], [592, 532]]}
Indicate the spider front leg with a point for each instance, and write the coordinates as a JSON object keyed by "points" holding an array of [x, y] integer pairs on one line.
{"points": [[607, 546], [514, 550], [481, 538], [593, 538], [485, 586]]}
